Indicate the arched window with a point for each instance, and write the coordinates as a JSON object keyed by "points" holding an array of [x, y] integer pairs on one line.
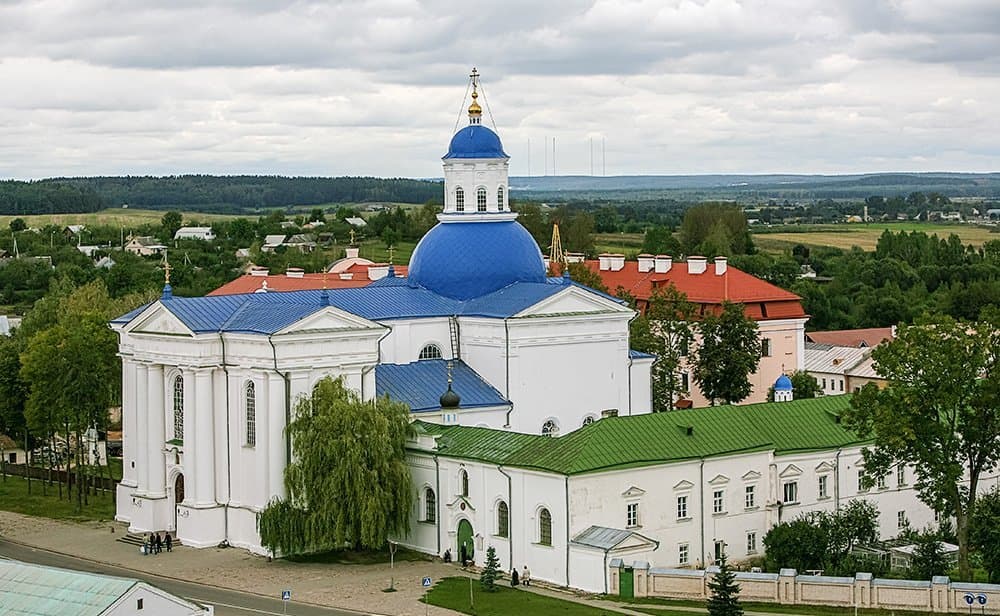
{"points": [[500, 199], [251, 401], [463, 478], [503, 520], [179, 407], [459, 199], [549, 428], [430, 506], [544, 527], [481, 200], [589, 419], [430, 351]]}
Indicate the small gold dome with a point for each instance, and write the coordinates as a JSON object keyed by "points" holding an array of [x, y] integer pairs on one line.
{"points": [[474, 108]]}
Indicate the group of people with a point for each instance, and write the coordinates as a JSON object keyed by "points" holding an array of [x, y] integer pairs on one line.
{"points": [[154, 544], [523, 580]]}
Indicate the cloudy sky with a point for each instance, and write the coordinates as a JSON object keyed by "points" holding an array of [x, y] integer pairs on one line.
{"points": [[375, 87]]}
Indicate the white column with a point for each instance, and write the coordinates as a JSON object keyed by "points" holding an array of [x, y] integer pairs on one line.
{"points": [[128, 422], [190, 460], [137, 436], [261, 488], [204, 443], [276, 435], [220, 417], [157, 479]]}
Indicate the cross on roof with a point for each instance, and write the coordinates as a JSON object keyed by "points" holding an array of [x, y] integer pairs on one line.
{"points": [[166, 268]]}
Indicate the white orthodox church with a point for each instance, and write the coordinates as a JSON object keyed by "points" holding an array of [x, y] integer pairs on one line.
{"points": [[542, 445]]}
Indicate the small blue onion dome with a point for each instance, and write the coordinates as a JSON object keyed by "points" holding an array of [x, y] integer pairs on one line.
{"points": [[783, 383], [463, 260], [475, 141]]}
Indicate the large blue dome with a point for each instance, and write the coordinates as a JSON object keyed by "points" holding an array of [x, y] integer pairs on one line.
{"points": [[462, 260], [475, 141]]}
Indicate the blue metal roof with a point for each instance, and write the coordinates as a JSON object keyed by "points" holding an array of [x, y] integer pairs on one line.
{"points": [[783, 383], [420, 385], [463, 260], [633, 354], [475, 141]]}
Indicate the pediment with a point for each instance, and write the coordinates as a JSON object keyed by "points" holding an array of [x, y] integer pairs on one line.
{"points": [[751, 476], [635, 541], [824, 467], [719, 480], [683, 485], [461, 503], [329, 319], [633, 492], [790, 471], [159, 320], [573, 300]]}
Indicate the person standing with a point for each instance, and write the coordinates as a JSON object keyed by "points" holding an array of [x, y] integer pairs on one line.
{"points": [[169, 542], [157, 543], [513, 577], [464, 555], [146, 545], [526, 576]]}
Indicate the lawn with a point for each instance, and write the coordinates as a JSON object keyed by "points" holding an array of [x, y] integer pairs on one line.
{"points": [[111, 216], [352, 557], [14, 497], [453, 593], [648, 605], [864, 236]]}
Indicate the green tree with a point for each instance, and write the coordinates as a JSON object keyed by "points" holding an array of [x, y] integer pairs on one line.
{"points": [[804, 385], [719, 228], [729, 352], [582, 274], [532, 218], [171, 222], [317, 215], [660, 240], [665, 330], [17, 225], [928, 556], [798, 544], [13, 389], [488, 577], [984, 532], [940, 414], [347, 482], [725, 592]]}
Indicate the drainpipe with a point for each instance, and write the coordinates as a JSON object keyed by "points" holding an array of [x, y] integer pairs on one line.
{"points": [[606, 570], [566, 513], [366, 370], [510, 518], [437, 503], [229, 451], [701, 506], [635, 315], [836, 481], [288, 400], [506, 393]]}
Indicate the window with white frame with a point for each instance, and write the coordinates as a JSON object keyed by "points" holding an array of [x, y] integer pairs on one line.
{"points": [[631, 515], [824, 490], [750, 497], [179, 407], [683, 554], [841, 384], [682, 507], [544, 527], [459, 199], [430, 506], [901, 521], [862, 481], [791, 491], [481, 200], [503, 520], [824, 384], [719, 501], [752, 542], [463, 479], [685, 381], [430, 351], [500, 199], [901, 475], [765, 347], [882, 482], [251, 414]]}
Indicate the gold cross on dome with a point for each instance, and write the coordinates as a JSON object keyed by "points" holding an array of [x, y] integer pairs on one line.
{"points": [[391, 250], [352, 236], [166, 268]]}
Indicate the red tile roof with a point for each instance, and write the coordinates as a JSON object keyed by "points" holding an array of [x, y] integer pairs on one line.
{"points": [[763, 300], [249, 283], [856, 338]]}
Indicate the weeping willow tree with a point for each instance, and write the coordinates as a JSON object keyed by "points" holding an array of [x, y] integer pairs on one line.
{"points": [[348, 483]]}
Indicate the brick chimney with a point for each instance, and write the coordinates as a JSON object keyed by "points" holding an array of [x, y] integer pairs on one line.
{"points": [[697, 265]]}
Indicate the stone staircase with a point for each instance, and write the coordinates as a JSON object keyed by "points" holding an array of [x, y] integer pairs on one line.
{"points": [[137, 538]]}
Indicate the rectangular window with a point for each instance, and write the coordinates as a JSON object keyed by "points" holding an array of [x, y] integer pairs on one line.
{"points": [[882, 482], [720, 549], [683, 554], [138, 604], [765, 347], [750, 497], [862, 481], [752, 543], [937, 517], [901, 475], [718, 501], [684, 381], [901, 519], [682, 507], [841, 384], [791, 492], [631, 515], [823, 489], [824, 384]]}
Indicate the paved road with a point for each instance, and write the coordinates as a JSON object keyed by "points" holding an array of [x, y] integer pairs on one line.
{"points": [[226, 602]]}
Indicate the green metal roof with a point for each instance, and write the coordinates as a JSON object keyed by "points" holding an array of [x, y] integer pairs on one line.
{"points": [[45, 591], [643, 440]]}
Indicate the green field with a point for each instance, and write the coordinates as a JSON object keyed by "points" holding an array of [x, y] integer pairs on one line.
{"points": [[453, 593], [864, 236], [14, 497], [113, 217]]}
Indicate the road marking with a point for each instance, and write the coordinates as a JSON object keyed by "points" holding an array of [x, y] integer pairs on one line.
{"points": [[235, 607]]}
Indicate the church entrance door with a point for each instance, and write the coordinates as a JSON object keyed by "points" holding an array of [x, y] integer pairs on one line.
{"points": [[178, 496], [465, 538]]}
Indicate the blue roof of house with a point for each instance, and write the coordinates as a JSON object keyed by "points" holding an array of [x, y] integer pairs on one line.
{"points": [[633, 354], [475, 141], [421, 383]]}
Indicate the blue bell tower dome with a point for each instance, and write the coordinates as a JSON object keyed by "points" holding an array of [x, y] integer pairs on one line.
{"points": [[478, 246]]}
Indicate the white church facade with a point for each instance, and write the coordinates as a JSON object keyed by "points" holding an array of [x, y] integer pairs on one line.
{"points": [[549, 452]]}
